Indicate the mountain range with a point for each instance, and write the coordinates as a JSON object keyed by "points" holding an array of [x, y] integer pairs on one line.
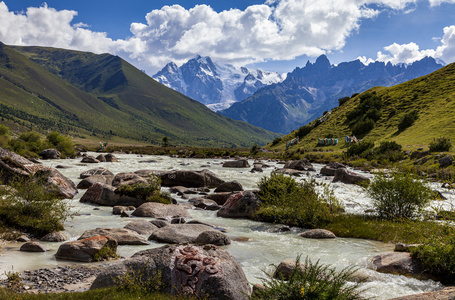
{"points": [[427, 103], [102, 97], [213, 84], [309, 91]]}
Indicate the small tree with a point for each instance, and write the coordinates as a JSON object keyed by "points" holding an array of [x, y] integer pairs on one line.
{"points": [[165, 142], [407, 120], [254, 149], [399, 197], [441, 144]]}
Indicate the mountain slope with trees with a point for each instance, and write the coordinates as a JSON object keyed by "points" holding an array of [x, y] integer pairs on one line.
{"points": [[83, 94]]}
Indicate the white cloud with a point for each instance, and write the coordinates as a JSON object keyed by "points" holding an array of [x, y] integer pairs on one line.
{"points": [[277, 29]]}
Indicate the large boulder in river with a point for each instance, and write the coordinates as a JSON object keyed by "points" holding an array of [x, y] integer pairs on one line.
{"points": [[301, 165], [179, 233], [229, 186], [141, 226], [447, 293], [199, 271], [204, 178], [240, 163], [13, 166], [160, 210], [105, 195], [123, 236], [127, 179], [33, 247], [396, 263], [219, 198], [89, 160], [213, 237], [349, 177], [96, 171], [331, 168], [86, 250], [50, 154], [111, 157], [240, 205], [89, 181], [318, 234]]}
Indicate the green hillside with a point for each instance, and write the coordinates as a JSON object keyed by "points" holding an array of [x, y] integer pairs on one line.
{"points": [[431, 98], [85, 94]]}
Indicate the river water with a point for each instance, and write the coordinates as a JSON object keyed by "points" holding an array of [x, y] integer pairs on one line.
{"points": [[256, 256]]}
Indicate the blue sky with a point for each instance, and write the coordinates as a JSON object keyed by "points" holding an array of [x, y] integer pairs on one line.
{"points": [[276, 35]]}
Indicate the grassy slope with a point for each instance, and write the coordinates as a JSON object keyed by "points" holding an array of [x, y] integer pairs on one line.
{"points": [[153, 110], [433, 96]]}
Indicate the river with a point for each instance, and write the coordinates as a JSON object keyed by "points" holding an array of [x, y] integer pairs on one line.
{"points": [[264, 247]]}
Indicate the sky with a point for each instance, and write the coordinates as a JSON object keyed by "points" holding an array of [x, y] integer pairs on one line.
{"points": [[275, 35]]}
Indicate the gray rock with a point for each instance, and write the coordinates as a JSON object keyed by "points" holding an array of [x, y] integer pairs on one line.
{"points": [[123, 236], [89, 181], [445, 161], [291, 172], [179, 233], [447, 293], [349, 177], [396, 263], [229, 186], [318, 234], [85, 250], [331, 168], [33, 247], [160, 223], [111, 157], [97, 171], [23, 238], [285, 269], [219, 198], [141, 226], [89, 160], [301, 165], [240, 205], [213, 237], [240, 163], [127, 179], [104, 194], [50, 154], [159, 210], [204, 178], [55, 236], [206, 204], [200, 271], [401, 247], [118, 210], [101, 158]]}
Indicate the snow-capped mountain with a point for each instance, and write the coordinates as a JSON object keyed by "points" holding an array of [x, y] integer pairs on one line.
{"points": [[216, 85]]}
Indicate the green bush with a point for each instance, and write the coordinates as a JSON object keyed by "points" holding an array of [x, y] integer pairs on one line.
{"points": [[149, 191], [359, 148], [285, 201], [63, 144], [362, 127], [407, 120], [303, 131], [399, 197], [276, 141], [314, 281], [441, 144], [343, 100], [4, 131], [30, 205]]}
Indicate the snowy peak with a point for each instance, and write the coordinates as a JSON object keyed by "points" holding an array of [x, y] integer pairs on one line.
{"points": [[213, 84]]}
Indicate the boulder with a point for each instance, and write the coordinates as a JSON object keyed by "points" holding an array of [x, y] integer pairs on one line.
{"points": [[318, 234], [159, 210], [141, 226], [291, 172], [111, 157], [118, 210], [123, 236], [445, 161], [204, 178], [89, 160], [55, 236], [219, 198], [13, 166], [349, 177], [257, 168], [160, 223], [89, 181], [301, 165], [401, 247], [104, 194], [240, 205], [127, 179], [206, 204], [147, 173], [396, 263], [199, 271], [179, 233], [33, 247], [85, 250], [331, 168], [101, 158], [50, 154], [285, 269], [182, 190], [240, 163], [213, 237], [229, 186], [447, 293], [96, 171]]}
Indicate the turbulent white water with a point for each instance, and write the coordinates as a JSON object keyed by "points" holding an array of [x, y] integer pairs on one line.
{"points": [[255, 256]]}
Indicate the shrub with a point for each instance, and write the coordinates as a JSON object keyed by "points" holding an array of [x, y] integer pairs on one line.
{"points": [[296, 204], [149, 191], [303, 131], [362, 127], [254, 149], [385, 147], [4, 131], [359, 148], [343, 100], [441, 144], [399, 197], [315, 281], [31, 206], [140, 281], [276, 141], [407, 120], [62, 144]]}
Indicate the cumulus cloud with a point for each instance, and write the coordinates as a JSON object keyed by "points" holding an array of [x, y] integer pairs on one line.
{"points": [[277, 29]]}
